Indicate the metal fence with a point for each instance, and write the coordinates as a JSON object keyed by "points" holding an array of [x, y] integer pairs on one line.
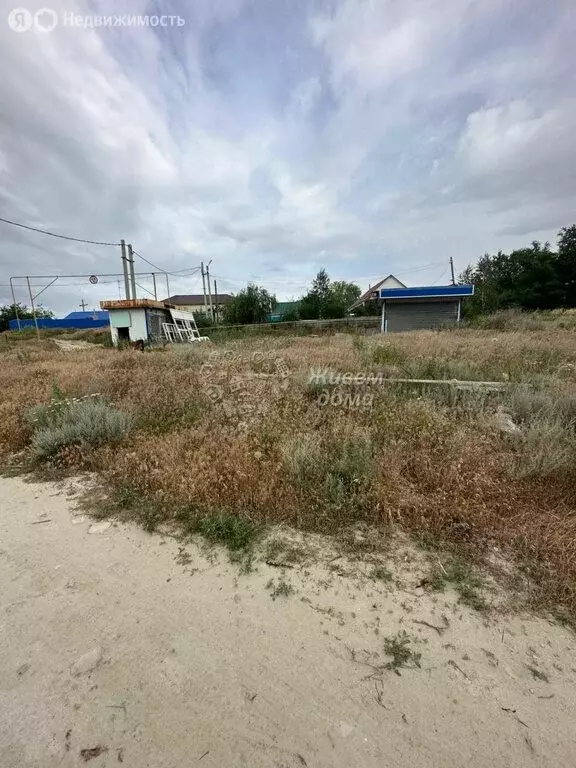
{"points": [[368, 324]]}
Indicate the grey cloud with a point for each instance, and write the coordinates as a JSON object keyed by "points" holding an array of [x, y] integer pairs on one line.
{"points": [[384, 136]]}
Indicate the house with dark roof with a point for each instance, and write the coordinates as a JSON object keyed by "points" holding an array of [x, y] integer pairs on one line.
{"points": [[372, 292]]}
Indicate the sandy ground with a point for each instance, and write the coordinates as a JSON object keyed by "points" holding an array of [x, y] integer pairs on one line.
{"points": [[119, 642]]}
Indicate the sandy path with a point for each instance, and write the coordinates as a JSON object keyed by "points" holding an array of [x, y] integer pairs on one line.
{"points": [[185, 667]]}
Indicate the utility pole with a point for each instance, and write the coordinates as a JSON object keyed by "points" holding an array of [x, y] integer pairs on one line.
{"points": [[204, 287], [125, 269], [33, 308], [15, 305], [132, 274], [209, 289], [83, 305], [167, 286], [216, 301], [154, 282], [452, 270]]}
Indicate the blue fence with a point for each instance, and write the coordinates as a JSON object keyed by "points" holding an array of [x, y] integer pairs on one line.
{"points": [[70, 324]]}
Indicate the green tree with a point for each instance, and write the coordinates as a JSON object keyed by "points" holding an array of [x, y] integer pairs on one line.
{"points": [[251, 305], [327, 299], [344, 293], [321, 286], [528, 278], [8, 312], [566, 265]]}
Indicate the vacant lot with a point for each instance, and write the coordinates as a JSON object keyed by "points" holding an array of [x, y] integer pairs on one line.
{"points": [[118, 646], [227, 438]]}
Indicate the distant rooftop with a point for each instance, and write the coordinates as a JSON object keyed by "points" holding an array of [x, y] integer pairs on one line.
{"points": [[94, 315], [373, 292], [132, 304], [182, 299]]}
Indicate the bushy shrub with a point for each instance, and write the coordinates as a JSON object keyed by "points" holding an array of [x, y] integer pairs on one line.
{"points": [[63, 422]]}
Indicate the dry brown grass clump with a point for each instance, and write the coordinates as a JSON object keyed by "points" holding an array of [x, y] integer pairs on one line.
{"points": [[236, 431]]}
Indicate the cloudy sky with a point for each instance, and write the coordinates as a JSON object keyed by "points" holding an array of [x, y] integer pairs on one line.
{"points": [[279, 136]]}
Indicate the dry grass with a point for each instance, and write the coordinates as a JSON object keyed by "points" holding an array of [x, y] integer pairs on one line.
{"points": [[220, 432]]}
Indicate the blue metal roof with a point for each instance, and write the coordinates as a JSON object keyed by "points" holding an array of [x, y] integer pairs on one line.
{"points": [[95, 315], [427, 292]]}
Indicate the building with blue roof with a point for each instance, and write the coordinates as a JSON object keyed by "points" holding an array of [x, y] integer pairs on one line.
{"points": [[424, 307], [74, 321]]}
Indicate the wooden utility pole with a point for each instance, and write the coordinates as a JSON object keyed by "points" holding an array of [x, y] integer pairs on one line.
{"points": [[83, 305], [125, 269], [33, 308], [209, 291], [452, 270]]}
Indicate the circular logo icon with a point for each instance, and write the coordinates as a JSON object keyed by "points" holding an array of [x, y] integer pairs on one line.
{"points": [[19, 19], [45, 19], [93, 279]]}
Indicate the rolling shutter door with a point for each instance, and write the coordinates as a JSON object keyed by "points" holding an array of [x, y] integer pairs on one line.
{"points": [[414, 315]]}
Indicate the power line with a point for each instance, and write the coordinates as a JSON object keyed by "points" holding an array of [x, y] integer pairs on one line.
{"points": [[53, 234], [441, 276], [177, 273], [295, 282], [148, 262]]}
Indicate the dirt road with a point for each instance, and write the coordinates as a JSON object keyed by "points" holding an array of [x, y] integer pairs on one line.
{"points": [[113, 641]]}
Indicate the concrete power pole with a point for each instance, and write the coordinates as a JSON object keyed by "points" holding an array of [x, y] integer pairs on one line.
{"points": [[132, 273], [33, 307], [452, 270], [209, 291], [204, 286], [83, 305], [125, 269], [216, 302]]}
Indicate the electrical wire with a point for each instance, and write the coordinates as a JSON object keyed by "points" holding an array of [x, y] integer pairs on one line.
{"points": [[441, 276], [298, 283], [53, 234], [176, 273]]}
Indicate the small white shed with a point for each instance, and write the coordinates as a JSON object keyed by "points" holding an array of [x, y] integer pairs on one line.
{"points": [[149, 321]]}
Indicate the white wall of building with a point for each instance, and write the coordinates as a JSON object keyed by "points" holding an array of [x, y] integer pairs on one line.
{"points": [[137, 328], [391, 282]]}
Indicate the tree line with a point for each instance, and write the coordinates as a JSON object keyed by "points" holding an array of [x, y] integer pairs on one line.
{"points": [[536, 277], [326, 300], [8, 313]]}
